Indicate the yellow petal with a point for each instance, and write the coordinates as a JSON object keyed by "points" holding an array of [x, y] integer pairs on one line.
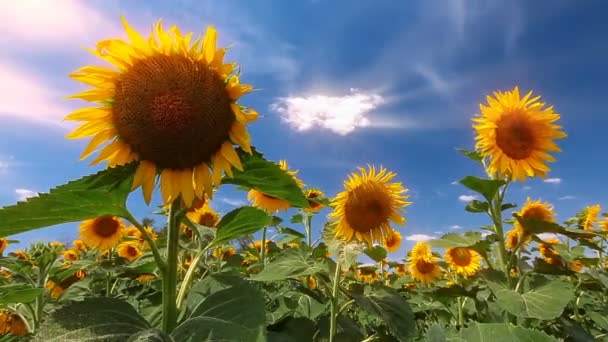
{"points": [[94, 95], [186, 186], [166, 185], [89, 128], [90, 114], [136, 39], [230, 155], [108, 152], [97, 140], [209, 43], [148, 178], [202, 180]]}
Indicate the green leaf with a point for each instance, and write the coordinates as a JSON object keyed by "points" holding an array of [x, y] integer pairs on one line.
{"points": [[347, 252], [451, 240], [95, 319], [210, 284], [507, 206], [599, 275], [292, 263], [292, 329], [599, 319], [544, 302], [376, 253], [232, 314], [501, 332], [473, 155], [292, 232], [476, 206], [18, 293], [297, 218], [104, 193], [392, 308], [151, 335], [435, 333], [267, 177], [485, 187], [535, 226], [240, 222]]}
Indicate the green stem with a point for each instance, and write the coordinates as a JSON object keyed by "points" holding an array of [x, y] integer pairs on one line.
{"points": [[160, 262], [40, 299], [334, 304], [109, 275], [308, 226], [496, 215], [188, 278], [263, 247], [460, 313], [169, 320], [345, 306]]}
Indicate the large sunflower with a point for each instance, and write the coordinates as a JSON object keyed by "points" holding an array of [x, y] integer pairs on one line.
{"points": [[393, 241], [464, 261], [534, 210], [366, 208], [102, 232], [269, 203], [517, 134], [169, 104]]}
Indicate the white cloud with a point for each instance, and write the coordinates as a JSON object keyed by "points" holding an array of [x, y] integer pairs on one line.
{"points": [[419, 237], [467, 198], [233, 202], [23, 194], [527, 188], [455, 227], [455, 182], [553, 180], [567, 197], [339, 114], [485, 233], [547, 236]]}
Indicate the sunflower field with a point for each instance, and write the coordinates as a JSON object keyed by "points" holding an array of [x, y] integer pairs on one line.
{"points": [[165, 117]]}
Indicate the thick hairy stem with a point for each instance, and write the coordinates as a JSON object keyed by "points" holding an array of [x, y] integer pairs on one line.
{"points": [[170, 275], [263, 247], [334, 304], [160, 262]]}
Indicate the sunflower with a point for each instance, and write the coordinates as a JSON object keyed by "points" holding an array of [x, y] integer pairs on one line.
{"points": [[132, 231], [312, 283], [144, 278], [603, 224], [534, 210], [56, 244], [421, 251], [5, 273], [3, 245], [79, 245], [576, 266], [70, 255], [170, 105], [20, 254], [590, 217], [367, 206], [221, 253], [269, 203], [401, 269], [546, 250], [129, 250], [312, 195], [517, 134], [102, 233], [393, 241], [55, 290], [80, 274], [425, 271], [368, 276], [464, 261], [512, 238], [12, 324], [205, 216]]}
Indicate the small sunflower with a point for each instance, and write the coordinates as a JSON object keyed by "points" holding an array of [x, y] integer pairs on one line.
{"points": [[80, 274], [70, 255], [590, 217], [313, 206], [534, 210], [102, 233], [145, 278], [20, 254], [421, 251], [603, 224], [425, 271], [272, 204], [546, 249], [393, 241], [464, 261], [312, 283], [205, 216], [368, 276], [512, 238], [3, 245], [221, 253], [401, 269], [576, 266], [54, 289], [170, 105], [517, 134], [129, 250], [5, 273], [367, 206], [12, 324], [132, 231], [56, 244], [79, 245]]}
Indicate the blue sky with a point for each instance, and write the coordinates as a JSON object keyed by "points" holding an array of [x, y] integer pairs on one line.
{"points": [[341, 84]]}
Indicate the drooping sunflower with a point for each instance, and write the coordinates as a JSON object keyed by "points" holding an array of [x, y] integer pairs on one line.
{"points": [[590, 217], [534, 210], [512, 238], [205, 216], [170, 105], [3, 245], [311, 195], [12, 324], [272, 204], [20, 254], [102, 233], [401, 269], [129, 250], [464, 261], [393, 241], [70, 255], [425, 271], [54, 289], [546, 249], [517, 133], [368, 205]]}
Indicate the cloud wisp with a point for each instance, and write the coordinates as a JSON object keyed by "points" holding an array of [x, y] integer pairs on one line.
{"points": [[23, 194], [419, 237], [467, 198], [553, 180]]}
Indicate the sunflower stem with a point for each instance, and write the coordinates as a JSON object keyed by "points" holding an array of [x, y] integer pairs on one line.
{"points": [[263, 247], [160, 262], [307, 226], [188, 278], [496, 215], [169, 320], [460, 313], [109, 275], [333, 316]]}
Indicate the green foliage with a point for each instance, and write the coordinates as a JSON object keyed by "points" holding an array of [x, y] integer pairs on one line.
{"points": [[501, 332], [476, 206], [18, 293], [485, 187], [291, 263], [240, 222], [104, 193], [456, 240], [473, 155], [376, 253]]}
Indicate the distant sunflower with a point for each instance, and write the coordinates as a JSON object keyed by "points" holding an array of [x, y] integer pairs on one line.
{"points": [[54, 289], [270, 203], [576, 266], [401, 269], [369, 203], [56, 244], [512, 238], [145, 278], [12, 324], [132, 231], [3, 245], [170, 105], [367, 275], [546, 249], [129, 250], [421, 251], [312, 283], [79, 245], [312, 195], [70, 255], [205, 216], [517, 134], [534, 210], [590, 217], [464, 261], [20, 254], [393, 241], [102, 233], [425, 271], [222, 253]]}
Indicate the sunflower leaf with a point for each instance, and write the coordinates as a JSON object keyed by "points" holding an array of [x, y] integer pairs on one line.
{"points": [[376, 253], [292, 263], [502, 332], [473, 155], [451, 240], [18, 293], [267, 177], [476, 206], [485, 187], [240, 222], [103, 193]]}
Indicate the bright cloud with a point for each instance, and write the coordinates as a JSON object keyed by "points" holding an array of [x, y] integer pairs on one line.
{"points": [[553, 180], [233, 202], [419, 237], [339, 114], [527, 188], [455, 227], [23, 194], [467, 198], [547, 236], [567, 197]]}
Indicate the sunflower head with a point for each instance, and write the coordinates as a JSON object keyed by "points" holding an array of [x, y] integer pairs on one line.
{"points": [[312, 195], [365, 210], [70, 255], [590, 217], [576, 266], [401, 269], [169, 104], [145, 278], [102, 233], [55, 290], [79, 245], [5, 273], [393, 241], [205, 216], [56, 244], [3, 245], [425, 271], [368, 276], [12, 324], [20, 254], [464, 261], [517, 133], [129, 250], [534, 210], [312, 283], [421, 251], [269, 203], [222, 253], [546, 249]]}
